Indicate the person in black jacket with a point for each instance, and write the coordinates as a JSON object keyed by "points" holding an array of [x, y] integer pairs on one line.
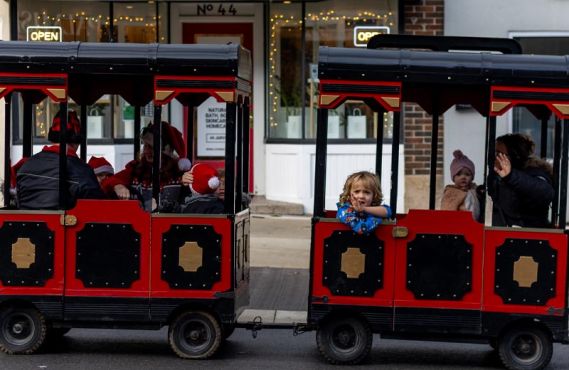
{"points": [[521, 185], [38, 178]]}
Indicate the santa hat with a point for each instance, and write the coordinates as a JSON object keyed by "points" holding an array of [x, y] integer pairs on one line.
{"points": [[172, 137], [206, 179], [459, 162], [73, 133], [100, 165]]}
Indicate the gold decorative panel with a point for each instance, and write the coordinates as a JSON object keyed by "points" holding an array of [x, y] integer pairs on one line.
{"points": [[563, 108], [227, 96], [498, 105], [163, 94], [23, 253], [525, 271], [191, 257], [58, 93], [353, 263], [328, 99], [392, 102]]}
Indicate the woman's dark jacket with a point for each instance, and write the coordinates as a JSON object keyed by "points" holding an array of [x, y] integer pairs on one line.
{"points": [[522, 198]]}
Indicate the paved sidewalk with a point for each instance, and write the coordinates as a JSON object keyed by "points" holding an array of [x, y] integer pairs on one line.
{"points": [[280, 241]]}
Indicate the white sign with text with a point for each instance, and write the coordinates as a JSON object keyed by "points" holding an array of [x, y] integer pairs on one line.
{"points": [[211, 129]]}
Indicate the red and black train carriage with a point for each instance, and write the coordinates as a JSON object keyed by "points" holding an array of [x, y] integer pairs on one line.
{"points": [[109, 263], [432, 274]]}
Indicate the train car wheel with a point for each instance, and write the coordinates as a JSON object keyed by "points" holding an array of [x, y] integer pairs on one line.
{"points": [[344, 340], [22, 330], [525, 348], [195, 335]]}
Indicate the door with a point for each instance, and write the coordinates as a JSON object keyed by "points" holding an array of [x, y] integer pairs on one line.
{"points": [[206, 147]]}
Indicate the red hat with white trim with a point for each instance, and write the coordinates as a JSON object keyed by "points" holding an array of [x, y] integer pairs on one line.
{"points": [[206, 179], [100, 165]]}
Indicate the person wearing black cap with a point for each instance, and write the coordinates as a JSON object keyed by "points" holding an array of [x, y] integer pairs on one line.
{"points": [[38, 178]]}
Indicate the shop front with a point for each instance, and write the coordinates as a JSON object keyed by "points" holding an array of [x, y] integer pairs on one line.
{"points": [[283, 38]]}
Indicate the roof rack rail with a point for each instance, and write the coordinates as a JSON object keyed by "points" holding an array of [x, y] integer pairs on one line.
{"points": [[445, 43]]}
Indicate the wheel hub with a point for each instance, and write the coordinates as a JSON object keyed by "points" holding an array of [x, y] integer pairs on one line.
{"points": [[345, 337], [18, 328], [526, 348]]}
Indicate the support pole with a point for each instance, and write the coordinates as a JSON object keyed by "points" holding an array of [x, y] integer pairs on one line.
{"points": [[136, 139], [434, 152], [246, 144], [490, 158], [7, 140], [240, 165], [379, 144], [320, 166], [556, 171], [62, 155], [395, 161], [230, 126], [27, 130], [543, 138], [83, 150], [563, 181], [157, 153]]}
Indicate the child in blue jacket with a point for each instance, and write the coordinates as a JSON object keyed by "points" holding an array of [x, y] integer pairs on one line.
{"points": [[360, 203]]}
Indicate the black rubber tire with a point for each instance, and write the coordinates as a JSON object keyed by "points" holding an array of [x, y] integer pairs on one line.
{"points": [[344, 340], [525, 348], [22, 330], [493, 343], [195, 335], [226, 331]]}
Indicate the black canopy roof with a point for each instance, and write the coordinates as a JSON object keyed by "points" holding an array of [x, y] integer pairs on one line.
{"points": [[456, 77], [431, 66], [95, 69]]}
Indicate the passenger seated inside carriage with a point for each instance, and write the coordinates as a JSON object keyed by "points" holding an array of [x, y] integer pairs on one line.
{"points": [[135, 180], [37, 182], [521, 185]]}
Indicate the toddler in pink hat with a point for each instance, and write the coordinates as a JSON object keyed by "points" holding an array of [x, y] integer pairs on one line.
{"points": [[461, 195]]}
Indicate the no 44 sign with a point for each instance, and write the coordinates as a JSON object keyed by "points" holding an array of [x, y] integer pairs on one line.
{"points": [[216, 9]]}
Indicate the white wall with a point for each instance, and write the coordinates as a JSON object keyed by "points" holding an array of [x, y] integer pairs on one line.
{"points": [[492, 18], [290, 172]]}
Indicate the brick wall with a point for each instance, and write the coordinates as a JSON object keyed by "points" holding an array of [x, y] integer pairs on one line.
{"points": [[422, 17]]}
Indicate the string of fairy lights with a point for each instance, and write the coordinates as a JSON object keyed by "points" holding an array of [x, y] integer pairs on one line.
{"points": [[280, 22], [46, 19]]}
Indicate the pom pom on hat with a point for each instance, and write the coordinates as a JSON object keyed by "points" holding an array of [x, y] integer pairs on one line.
{"points": [[100, 165], [184, 164], [206, 179], [459, 162]]}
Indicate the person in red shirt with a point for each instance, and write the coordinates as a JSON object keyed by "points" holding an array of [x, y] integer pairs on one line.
{"points": [[135, 180]]}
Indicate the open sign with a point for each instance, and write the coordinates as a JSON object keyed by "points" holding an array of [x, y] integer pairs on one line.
{"points": [[44, 33], [362, 34]]}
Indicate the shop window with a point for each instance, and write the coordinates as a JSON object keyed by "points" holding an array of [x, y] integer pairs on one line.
{"points": [[293, 97], [111, 117], [79, 21]]}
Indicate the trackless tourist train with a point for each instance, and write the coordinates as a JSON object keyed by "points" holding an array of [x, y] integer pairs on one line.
{"points": [[428, 274], [432, 274], [110, 263]]}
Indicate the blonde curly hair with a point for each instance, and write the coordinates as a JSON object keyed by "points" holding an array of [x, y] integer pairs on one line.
{"points": [[369, 180]]}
